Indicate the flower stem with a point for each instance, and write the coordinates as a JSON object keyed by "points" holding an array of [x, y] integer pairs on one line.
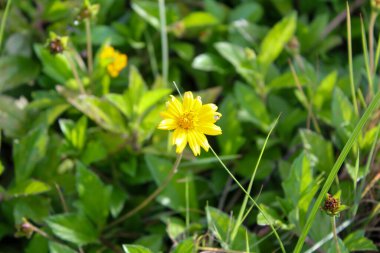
{"points": [[89, 46], [75, 73], [333, 224], [151, 196], [164, 42]]}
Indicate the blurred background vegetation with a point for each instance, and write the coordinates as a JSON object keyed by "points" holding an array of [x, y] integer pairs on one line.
{"points": [[80, 149]]}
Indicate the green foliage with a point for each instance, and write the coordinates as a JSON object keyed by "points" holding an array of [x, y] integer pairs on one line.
{"points": [[80, 149]]}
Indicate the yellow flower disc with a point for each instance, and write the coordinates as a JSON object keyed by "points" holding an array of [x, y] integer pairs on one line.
{"points": [[191, 121]]}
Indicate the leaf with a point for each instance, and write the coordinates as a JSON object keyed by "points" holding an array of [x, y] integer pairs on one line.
{"points": [[320, 149], [16, 70], [151, 98], [274, 42], [250, 11], [253, 109], [199, 19], [74, 133], [29, 187], [121, 103], [12, 117], [73, 227], [59, 248], [35, 208], [174, 194], [232, 139], [186, 246], [221, 225], [93, 194], [147, 11], [55, 66], [271, 218], [93, 152], [129, 248], [209, 62], [324, 90], [184, 50], [153, 242], [28, 151], [101, 33], [356, 241]]}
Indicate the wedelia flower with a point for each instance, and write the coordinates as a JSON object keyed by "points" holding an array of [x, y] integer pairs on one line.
{"points": [[191, 121], [115, 60]]}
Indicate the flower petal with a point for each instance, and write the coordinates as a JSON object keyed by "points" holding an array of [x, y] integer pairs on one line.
{"points": [[194, 145], [188, 101], [174, 107], [210, 129], [168, 124], [202, 140]]}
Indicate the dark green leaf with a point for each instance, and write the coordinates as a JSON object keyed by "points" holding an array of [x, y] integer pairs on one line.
{"points": [[129, 248]]}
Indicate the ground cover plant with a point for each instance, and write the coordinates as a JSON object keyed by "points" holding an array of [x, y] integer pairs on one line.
{"points": [[189, 126]]}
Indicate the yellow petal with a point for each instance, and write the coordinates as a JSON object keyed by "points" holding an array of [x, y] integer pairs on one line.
{"points": [[210, 117], [167, 115], [210, 129], [194, 145], [167, 124], [202, 140], [188, 101], [180, 139], [174, 107], [197, 104]]}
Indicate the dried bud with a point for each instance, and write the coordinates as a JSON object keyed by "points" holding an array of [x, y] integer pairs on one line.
{"points": [[88, 11], [56, 44], [25, 229], [332, 205], [375, 4], [293, 46]]}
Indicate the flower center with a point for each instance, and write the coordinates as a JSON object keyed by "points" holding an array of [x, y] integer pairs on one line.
{"points": [[186, 120]]}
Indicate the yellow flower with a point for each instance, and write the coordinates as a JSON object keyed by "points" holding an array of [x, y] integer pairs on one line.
{"points": [[190, 121], [115, 60]]}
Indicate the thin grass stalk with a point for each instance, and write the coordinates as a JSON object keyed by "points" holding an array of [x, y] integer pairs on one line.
{"points": [[3, 21], [75, 72], [334, 171], [377, 56], [239, 220], [164, 42], [152, 54], [253, 201], [336, 239], [371, 27], [350, 65], [89, 46], [366, 60]]}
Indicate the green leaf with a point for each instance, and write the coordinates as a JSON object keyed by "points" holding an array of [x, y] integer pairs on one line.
{"points": [[102, 33], [231, 139], [325, 90], [74, 228], [153, 242], [147, 11], [129, 248], [174, 194], [1, 168], [55, 66], [12, 117], [184, 50], [29, 187], [16, 70], [253, 109], [28, 151], [59, 248], [272, 217], [35, 208], [121, 103], [199, 19], [93, 152], [356, 241], [275, 40], [250, 11], [74, 133], [93, 194], [186, 246], [151, 98], [321, 150], [209, 62], [221, 224]]}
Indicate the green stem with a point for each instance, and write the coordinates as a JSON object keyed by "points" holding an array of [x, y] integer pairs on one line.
{"points": [[333, 224], [164, 42], [152, 196], [371, 41], [75, 72], [89, 46], [249, 196], [334, 171], [3, 21], [239, 220], [350, 65], [366, 61], [187, 193]]}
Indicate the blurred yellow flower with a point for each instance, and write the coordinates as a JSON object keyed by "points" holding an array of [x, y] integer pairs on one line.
{"points": [[115, 60], [190, 121]]}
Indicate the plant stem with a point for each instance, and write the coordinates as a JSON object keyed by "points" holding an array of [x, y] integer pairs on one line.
{"points": [[335, 169], [151, 196], [350, 65], [89, 46], [249, 196], [3, 21], [164, 42], [370, 40], [75, 73], [333, 224], [187, 204]]}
